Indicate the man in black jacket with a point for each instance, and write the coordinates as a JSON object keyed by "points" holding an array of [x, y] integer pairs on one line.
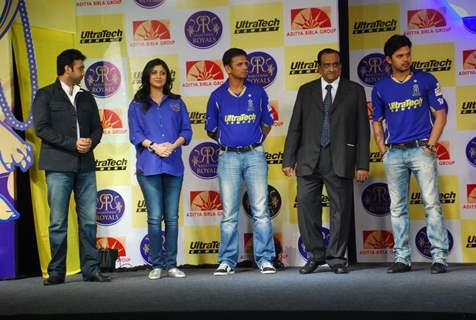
{"points": [[327, 144], [66, 119]]}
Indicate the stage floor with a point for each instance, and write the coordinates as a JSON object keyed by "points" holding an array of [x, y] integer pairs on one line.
{"points": [[367, 290]]}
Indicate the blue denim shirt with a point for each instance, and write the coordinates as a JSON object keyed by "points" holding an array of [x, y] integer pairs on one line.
{"points": [[163, 122]]}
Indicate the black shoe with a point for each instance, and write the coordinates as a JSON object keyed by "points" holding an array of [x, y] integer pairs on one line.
{"points": [[311, 266], [52, 281], [339, 268], [438, 268], [398, 267], [98, 277]]}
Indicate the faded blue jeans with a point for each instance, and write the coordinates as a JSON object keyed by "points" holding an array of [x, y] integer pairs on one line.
{"points": [[161, 194], [399, 164], [60, 186], [233, 168]]}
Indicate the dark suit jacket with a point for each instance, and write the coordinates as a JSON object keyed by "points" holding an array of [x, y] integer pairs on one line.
{"points": [[54, 121], [350, 130]]}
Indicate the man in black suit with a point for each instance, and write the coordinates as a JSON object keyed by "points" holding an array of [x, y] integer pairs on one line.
{"points": [[327, 144], [66, 119]]}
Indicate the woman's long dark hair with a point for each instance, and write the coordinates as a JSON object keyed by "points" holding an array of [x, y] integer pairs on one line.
{"points": [[142, 95]]}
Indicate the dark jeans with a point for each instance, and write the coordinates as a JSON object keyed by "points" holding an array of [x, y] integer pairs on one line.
{"points": [[60, 185]]}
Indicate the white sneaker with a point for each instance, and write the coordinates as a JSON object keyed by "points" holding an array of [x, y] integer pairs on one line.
{"points": [[155, 274], [223, 270], [267, 268], [175, 273]]}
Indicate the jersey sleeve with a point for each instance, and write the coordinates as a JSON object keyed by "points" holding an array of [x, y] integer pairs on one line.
{"points": [[266, 110], [211, 123], [378, 105], [435, 96]]}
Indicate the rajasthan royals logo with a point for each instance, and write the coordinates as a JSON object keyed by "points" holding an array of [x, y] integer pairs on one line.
{"points": [[109, 207], [149, 4], [274, 202], [203, 29], [376, 199], [302, 249], [426, 18], [309, 18], [262, 68], [203, 160], [471, 151], [145, 248], [424, 246], [102, 79], [372, 68]]}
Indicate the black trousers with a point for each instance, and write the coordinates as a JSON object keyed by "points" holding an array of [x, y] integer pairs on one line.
{"points": [[309, 191]]}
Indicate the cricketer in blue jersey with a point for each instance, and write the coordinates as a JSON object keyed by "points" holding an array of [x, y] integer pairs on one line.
{"points": [[239, 118], [413, 108]]}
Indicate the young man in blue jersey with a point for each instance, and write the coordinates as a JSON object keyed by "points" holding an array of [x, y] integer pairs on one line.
{"points": [[414, 110], [239, 118]]}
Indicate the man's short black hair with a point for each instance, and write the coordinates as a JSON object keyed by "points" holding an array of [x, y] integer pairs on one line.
{"points": [[327, 51], [230, 54], [66, 58], [394, 43]]}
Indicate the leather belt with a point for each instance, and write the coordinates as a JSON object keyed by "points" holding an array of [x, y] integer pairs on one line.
{"points": [[409, 144], [240, 149]]}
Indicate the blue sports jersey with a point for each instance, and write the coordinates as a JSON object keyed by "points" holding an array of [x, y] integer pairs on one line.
{"points": [[406, 107], [238, 119]]}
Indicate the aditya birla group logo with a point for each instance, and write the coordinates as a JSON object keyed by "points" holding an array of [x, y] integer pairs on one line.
{"points": [[203, 73], [426, 18], [203, 29], [111, 243], [111, 122], [262, 68], [149, 4], [203, 160], [110, 207], [102, 79], [470, 196], [376, 199], [424, 246], [205, 203], [311, 21], [372, 68], [274, 202], [151, 32], [378, 239], [443, 153], [90, 3], [302, 249], [469, 63]]}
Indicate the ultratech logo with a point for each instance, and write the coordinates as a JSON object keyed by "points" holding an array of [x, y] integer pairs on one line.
{"points": [[375, 157], [274, 158], [101, 36], [200, 247], [197, 117], [375, 26], [471, 241], [141, 207], [261, 25], [302, 67], [433, 65], [468, 107], [445, 198], [111, 165]]}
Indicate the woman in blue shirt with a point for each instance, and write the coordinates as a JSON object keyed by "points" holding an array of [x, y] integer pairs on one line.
{"points": [[158, 126]]}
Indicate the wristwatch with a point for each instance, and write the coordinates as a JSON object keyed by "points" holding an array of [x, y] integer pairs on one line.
{"points": [[431, 147], [150, 147]]}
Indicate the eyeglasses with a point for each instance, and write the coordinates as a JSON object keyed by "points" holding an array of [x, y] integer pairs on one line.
{"points": [[328, 65]]}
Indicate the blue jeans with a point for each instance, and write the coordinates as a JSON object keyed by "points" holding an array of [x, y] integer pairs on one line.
{"points": [[161, 195], [399, 164], [60, 185], [233, 168]]}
